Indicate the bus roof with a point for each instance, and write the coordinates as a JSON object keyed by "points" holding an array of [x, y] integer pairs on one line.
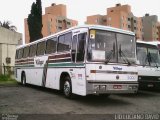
{"points": [[82, 26], [149, 42]]}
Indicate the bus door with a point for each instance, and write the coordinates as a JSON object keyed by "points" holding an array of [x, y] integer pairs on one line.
{"points": [[78, 59]]}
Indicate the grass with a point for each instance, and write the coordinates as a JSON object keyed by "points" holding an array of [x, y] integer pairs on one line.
{"points": [[7, 80]]}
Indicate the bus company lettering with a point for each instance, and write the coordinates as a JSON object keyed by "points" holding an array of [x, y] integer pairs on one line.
{"points": [[39, 62], [117, 68]]}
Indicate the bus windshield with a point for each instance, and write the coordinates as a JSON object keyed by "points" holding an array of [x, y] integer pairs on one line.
{"points": [[111, 47], [148, 56]]}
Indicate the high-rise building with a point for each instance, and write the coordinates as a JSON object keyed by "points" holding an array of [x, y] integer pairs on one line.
{"points": [[97, 19], [121, 17], [158, 27], [54, 20], [150, 30]]}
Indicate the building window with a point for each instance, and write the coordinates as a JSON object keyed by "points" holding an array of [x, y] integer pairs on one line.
{"points": [[129, 19], [51, 19], [135, 28], [129, 26], [96, 20], [68, 23], [134, 21], [123, 25], [109, 18], [59, 21], [59, 28], [104, 20]]}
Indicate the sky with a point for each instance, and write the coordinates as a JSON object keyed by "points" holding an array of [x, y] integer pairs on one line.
{"points": [[16, 10]]}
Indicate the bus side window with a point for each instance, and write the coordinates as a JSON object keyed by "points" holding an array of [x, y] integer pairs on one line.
{"points": [[26, 52], [41, 48], [81, 47], [74, 44], [16, 57], [51, 45], [64, 42], [32, 50], [20, 53]]}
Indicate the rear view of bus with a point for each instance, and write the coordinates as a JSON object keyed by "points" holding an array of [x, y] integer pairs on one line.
{"points": [[149, 65], [111, 61]]}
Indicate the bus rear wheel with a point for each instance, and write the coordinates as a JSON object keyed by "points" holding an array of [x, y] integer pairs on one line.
{"points": [[67, 88], [23, 79]]}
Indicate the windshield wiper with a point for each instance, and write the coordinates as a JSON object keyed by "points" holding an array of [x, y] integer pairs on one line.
{"points": [[121, 53], [109, 56], [152, 58]]}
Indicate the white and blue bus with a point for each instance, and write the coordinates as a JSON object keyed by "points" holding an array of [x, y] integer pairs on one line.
{"points": [[157, 43], [148, 65], [83, 60]]}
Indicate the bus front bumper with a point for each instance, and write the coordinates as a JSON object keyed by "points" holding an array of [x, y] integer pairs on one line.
{"points": [[97, 87]]}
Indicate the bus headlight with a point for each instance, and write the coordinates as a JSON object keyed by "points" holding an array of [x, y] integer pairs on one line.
{"points": [[133, 87], [96, 87], [102, 87]]}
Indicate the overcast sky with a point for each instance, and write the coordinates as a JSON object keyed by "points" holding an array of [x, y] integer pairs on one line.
{"points": [[16, 10]]}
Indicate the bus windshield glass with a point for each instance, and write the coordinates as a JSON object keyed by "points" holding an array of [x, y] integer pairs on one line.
{"points": [[148, 55], [111, 47]]}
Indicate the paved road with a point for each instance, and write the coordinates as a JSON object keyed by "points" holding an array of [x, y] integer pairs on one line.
{"points": [[36, 100]]}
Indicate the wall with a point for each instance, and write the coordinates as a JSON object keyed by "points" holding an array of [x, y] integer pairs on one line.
{"points": [[8, 42]]}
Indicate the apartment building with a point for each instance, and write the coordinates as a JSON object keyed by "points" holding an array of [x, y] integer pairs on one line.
{"points": [[121, 17], [158, 27], [54, 20], [97, 19], [150, 30]]}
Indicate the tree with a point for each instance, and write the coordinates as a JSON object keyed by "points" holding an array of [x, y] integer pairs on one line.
{"points": [[7, 25], [35, 21]]}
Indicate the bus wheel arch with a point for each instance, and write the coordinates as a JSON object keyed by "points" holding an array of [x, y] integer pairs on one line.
{"points": [[66, 84], [23, 78]]}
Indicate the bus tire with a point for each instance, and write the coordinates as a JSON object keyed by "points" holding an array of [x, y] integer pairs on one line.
{"points": [[23, 79], [67, 88]]}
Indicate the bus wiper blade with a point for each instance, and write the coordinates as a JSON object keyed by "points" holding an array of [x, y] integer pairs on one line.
{"points": [[152, 58], [109, 56], [125, 59]]}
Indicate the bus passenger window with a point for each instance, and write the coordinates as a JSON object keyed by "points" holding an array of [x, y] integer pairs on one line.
{"points": [[81, 47], [51, 45], [64, 42], [74, 43], [26, 52], [16, 57], [41, 48], [32, 50], [20, 53]]}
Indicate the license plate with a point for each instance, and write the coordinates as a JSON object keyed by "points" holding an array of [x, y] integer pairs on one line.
{"points": [[117, 86]]}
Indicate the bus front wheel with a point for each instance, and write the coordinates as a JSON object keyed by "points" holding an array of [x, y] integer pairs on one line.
{"points": [[23, 80], [67, 88]]}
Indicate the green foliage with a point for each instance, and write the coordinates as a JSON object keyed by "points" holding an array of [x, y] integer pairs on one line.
{"points": [[4, 77], [35, 21], [7, 80]]}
